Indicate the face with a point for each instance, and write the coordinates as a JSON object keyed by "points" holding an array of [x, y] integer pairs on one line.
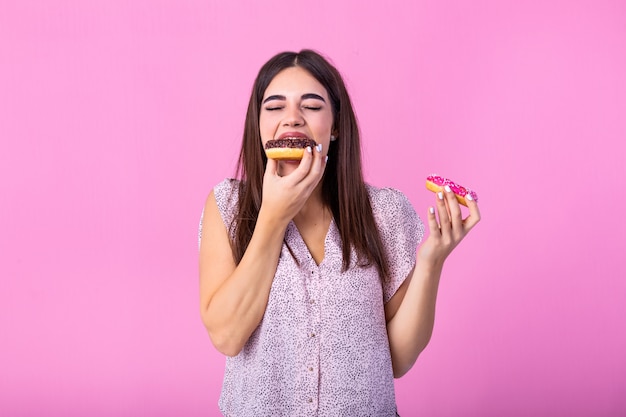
{"points": [[294, 104]]}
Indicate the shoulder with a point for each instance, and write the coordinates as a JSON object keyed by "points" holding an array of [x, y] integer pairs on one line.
{"points": [[226, 195], [227, 188], [387, 198], [394, 213], [401, 231], [221, 202]]}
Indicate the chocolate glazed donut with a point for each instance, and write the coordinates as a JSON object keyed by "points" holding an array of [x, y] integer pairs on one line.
{"points": [[291, 149]]}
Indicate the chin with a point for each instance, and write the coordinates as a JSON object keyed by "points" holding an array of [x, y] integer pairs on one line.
{"points": [[287, 167]]}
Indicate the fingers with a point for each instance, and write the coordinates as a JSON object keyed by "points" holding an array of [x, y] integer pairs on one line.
{"points": [[311, 168], [271, 168], [433, 226], [307, 162], [474, 216], [451, 224], [306, 175], [454, 212], [442, 212], [319, 163]]}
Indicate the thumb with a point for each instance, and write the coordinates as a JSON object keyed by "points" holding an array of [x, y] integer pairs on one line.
{"points": [[271, 168]]}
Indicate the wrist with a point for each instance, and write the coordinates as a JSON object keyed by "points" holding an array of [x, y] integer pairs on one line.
{"points": [[269, 220], [430, 266]]}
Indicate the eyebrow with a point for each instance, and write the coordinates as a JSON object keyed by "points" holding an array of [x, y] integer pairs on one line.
{"points": [[304, 97]]}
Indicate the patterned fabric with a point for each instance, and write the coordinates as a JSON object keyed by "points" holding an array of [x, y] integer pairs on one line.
{"points": [[322, 347]]}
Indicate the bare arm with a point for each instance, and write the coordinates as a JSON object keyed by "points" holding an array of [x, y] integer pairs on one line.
{"points": [[411, 311], [233, 297]]}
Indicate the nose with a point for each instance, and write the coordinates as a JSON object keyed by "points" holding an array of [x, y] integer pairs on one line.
{"points": [[293, 117]]}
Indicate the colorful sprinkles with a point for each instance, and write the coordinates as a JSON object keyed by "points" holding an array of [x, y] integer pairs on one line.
{"points": [[456, 188]]}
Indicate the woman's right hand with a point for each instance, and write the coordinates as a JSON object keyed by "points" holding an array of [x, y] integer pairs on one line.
{"points": [[233, 297], [284, 196]]}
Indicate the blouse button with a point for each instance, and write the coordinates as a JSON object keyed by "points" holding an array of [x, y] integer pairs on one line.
{"points": [[312, 334], [310, 400], [310, 369]]}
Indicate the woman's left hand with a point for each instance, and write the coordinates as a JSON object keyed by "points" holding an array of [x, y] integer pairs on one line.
{"points": [[411, 311], [450, 230]]}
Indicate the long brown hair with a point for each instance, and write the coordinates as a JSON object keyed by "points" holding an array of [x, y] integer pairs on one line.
{"points": [[343, 187]]}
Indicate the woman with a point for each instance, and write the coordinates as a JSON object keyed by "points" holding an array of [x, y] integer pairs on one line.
{"points": [[308, 276]]}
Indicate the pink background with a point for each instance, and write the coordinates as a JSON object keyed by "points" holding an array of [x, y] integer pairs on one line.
{"points": [[117, 118]]}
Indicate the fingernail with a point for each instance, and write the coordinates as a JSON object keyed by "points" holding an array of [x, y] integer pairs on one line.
{"points": [[308, 149], [440, 195], [447, 188], [468, 196], [432, 210], [319, 147]]}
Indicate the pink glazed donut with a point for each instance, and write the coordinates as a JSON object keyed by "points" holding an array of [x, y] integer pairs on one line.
{"points": [[436, 183]]}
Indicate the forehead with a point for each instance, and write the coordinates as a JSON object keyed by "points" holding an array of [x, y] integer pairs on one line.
{"points": [[294, 81]]}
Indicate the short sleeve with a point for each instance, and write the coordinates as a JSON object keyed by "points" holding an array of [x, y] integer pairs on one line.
{"points": [[226, 196], [401, 231]]}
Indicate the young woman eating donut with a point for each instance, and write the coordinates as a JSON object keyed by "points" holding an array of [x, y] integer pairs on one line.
{"points": [[311, 281]]}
